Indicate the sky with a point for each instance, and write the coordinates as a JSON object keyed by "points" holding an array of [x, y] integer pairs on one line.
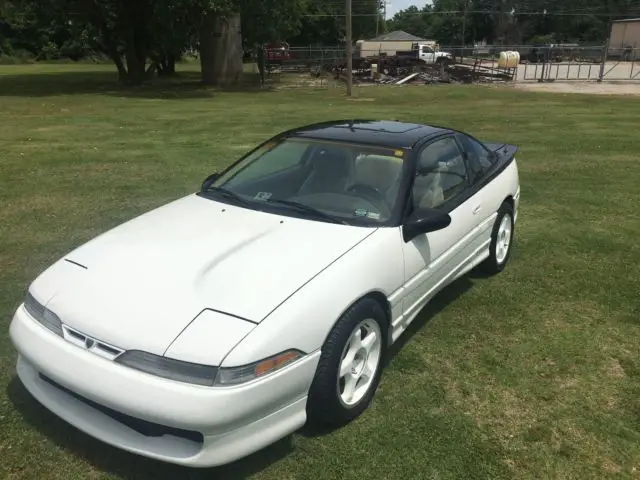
{"points": [[394, 6]]}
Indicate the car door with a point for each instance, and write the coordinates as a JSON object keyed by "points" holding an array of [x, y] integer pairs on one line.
{"points": [[441, 181], [480, 163], [427, 54]]}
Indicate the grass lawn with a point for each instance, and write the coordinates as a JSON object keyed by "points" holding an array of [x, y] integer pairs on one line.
{"points": [[534, 373]]}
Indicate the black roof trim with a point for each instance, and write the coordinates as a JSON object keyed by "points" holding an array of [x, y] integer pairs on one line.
{"points": [[387, 133], [624, 20]]}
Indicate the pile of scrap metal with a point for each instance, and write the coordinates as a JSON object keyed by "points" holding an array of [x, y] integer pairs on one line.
{"points": [[430, 74]]}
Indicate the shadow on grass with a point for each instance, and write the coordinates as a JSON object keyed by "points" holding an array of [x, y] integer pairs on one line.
{"points": [[127, 465], [121, 463], [438, 303], [185, 85]]}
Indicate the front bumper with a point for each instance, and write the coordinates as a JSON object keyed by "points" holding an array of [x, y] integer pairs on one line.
{"points": [[151, 416]]}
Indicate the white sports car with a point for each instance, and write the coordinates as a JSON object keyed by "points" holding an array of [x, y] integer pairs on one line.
{"points": [[210, 327]]}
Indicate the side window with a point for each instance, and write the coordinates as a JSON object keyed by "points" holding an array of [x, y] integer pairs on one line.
{"points": [[440, 175], [478, 156]]}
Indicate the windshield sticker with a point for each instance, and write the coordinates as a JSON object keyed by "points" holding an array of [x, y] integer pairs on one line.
{"points": [[360, 212], [262, 196], [373, 215]]}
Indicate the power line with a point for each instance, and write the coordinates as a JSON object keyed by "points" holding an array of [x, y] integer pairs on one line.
{"points": [[485, 12]]}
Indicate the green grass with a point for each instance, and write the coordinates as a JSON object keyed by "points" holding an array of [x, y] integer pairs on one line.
{"points": [[534, 373]]}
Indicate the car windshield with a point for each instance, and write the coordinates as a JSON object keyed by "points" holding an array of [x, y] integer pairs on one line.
{"points": [[320, 180]]}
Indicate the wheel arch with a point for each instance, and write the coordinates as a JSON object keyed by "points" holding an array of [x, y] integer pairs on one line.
{"points": [[510, 200], [375, 295]]}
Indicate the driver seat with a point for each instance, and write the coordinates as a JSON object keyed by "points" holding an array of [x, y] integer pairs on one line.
{"points": [[434, 194]]}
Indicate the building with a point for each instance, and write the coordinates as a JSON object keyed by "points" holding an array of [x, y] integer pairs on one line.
{"points": [[389, 43], [624, 38], [397, 36]]}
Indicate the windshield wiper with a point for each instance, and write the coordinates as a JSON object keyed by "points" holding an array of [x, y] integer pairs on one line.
{"points": [[227, 194], [307, 209]]}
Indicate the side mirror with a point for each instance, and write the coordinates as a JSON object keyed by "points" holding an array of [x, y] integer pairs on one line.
{"points": [[424, 221], [209, 180]]}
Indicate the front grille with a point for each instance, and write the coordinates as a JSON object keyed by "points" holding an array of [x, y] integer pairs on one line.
{"points": [[95, 346], [143, 427]]}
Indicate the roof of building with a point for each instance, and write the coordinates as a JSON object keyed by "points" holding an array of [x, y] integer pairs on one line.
{"points": [[396, 36], [384, 133], [637, 19]]}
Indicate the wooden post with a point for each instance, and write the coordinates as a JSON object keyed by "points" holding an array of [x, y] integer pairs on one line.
{"points": [[605, 54]]}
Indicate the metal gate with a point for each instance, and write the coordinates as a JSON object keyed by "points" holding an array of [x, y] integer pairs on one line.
{"points": [[589, 64], [567, 71]]}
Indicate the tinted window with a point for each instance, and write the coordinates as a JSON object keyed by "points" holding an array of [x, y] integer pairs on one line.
{"points": [[352, 182], [441, 174], [274, 158], [479, 158]]}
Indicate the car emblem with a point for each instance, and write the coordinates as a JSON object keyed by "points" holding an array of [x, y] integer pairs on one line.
{"points": [[89, 342]]}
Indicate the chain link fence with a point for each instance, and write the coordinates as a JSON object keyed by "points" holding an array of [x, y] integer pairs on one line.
{"points": [[542, 63]]}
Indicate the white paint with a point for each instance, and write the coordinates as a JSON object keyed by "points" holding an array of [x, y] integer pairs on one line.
{"points": [[151, 283]]}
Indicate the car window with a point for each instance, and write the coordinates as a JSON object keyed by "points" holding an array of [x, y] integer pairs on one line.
{"points": [[356, 183], [273, 159], [441, 174], [478, 157]]}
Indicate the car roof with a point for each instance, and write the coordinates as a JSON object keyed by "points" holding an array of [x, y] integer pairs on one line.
{"points": [[388, 133]]}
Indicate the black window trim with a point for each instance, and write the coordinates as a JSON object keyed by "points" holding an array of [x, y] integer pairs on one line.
{"points": [[395, 219], [468, 160], [499, 165], [408, 207], [411, 155]]}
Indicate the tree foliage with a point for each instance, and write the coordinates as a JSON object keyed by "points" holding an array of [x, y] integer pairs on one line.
{"points": [[142, 37], [513, 21], [324, 21]]}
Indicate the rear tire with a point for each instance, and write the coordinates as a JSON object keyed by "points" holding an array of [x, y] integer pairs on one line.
{"points": [[501, 241], [350, 365]]}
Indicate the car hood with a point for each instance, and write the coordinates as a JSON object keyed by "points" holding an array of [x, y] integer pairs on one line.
{"points": [[140, 284]]}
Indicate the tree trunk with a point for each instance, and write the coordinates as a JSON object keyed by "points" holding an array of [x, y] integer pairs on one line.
{"points": [[167, 66], [123, 75], [136, 67], [207, 52], [221, 50], [135, 41], [171, 64]]}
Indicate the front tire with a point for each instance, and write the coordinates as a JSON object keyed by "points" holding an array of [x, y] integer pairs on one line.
{"points": [[501, 241], [350, 365]]}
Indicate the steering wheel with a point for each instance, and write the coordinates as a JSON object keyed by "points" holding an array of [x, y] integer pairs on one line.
{"points": [[371, 194]]}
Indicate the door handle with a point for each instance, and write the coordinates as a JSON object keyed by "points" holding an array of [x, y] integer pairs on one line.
{"points": [[477, 209]]}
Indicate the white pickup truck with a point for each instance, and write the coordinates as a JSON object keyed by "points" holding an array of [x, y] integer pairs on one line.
{"points": [[430, 56]]}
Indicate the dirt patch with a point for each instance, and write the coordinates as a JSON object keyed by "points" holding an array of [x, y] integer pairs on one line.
{"points": [[615, 370], [593, 88]]}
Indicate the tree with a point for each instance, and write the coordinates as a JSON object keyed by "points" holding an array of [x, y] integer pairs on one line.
{"points": [[414, 21], [221, 36]]}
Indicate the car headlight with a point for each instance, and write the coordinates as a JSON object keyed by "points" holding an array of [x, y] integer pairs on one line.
{"points": [[205, 375], [169, 368], [42, 314], [246, 373]]}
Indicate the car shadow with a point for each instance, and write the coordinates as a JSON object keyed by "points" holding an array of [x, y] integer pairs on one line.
{"points": [[118, 462], [123, 464], [438, 303]]}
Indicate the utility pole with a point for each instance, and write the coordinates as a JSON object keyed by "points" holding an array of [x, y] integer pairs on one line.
{"points": [[377, 17], [349, 50], [464, 27]]}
